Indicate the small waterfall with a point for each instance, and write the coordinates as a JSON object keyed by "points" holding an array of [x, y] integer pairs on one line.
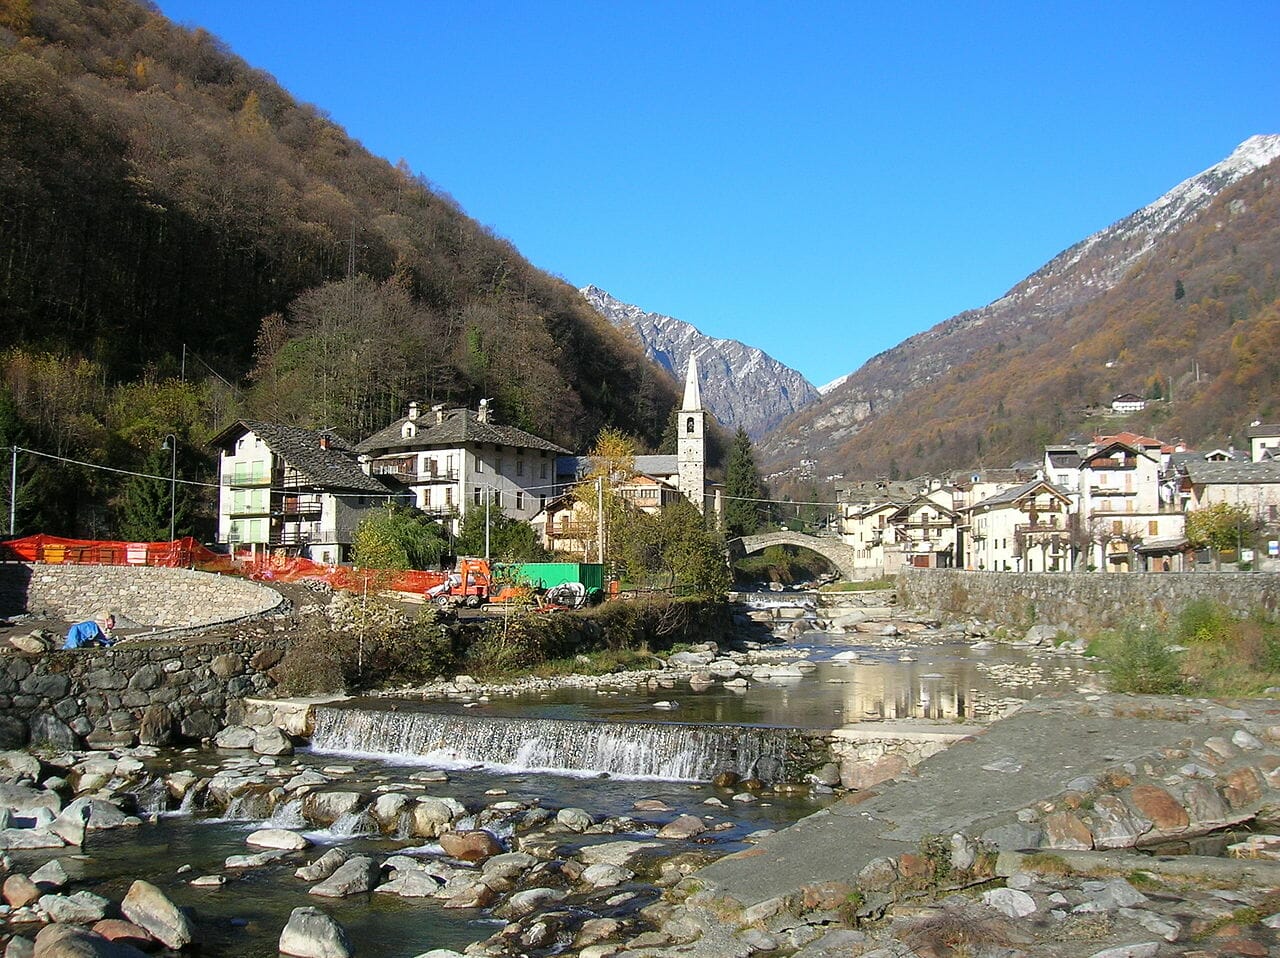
{"points": [[638, 750]]}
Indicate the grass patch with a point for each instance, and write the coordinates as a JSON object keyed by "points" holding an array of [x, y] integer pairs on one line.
{"points": [[1045, 863], [866, 585]]}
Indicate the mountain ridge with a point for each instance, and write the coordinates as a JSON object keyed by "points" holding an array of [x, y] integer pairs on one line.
{"points": [[742, 385], [1028, 315]]}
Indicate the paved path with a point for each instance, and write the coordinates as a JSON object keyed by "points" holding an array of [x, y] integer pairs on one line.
{"points": [[972, 787]]}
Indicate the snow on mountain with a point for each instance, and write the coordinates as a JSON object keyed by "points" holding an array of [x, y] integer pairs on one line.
{"points": [[741, 385]]}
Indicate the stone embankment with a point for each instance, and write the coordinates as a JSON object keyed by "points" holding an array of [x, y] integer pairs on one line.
{"points": [[1082, 600], [154, 598]]}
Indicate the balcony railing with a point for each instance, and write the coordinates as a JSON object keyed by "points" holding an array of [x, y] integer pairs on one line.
{"points": [[249, 511], [294, 537], [242, 481], [293, 506]]}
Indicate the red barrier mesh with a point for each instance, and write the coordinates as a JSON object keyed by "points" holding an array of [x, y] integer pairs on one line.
{"points": [[188, 554]]}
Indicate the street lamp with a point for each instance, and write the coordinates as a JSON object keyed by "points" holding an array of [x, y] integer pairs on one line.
{"points": [[171, 443]]}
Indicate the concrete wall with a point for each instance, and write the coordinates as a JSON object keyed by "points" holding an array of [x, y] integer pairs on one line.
{"points": [[160, 598], [1081, 599], [140, 692]]}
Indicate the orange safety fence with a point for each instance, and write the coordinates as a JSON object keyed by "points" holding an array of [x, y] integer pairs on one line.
{"points": [[187, 553]]}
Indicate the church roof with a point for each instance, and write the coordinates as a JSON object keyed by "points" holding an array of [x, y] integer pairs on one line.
{"points": [[692, 391]]}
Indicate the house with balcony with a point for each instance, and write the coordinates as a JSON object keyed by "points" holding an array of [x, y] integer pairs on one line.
{"points": [[924, 533], [1026, 528], [451, 461], [284, 487], [1126, 519], [1264, 441]]}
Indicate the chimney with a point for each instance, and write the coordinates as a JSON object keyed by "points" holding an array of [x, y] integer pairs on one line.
{"points": [[413, 410], [324, 442], [438, 409], [484, 410]]}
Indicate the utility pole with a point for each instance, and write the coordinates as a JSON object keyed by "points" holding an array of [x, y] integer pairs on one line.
{"points": [[171, 443], [600, 518], [13, 494]]}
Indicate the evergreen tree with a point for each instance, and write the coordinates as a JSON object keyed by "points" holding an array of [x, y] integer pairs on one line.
{"points": [[742, 488], [143, 507], [510, 540]]}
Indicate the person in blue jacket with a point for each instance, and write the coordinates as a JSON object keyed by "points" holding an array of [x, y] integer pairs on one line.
{"points": [[88, 633]]}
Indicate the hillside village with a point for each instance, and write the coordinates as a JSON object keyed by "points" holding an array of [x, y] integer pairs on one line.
{"points": [[1116, 503]]}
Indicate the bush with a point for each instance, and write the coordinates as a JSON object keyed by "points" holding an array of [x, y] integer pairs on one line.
{"points": [[1140, 661], [1203, 620]]}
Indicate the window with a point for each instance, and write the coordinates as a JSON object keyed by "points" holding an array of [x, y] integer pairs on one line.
{"points": [[499, 466], [542, 473], [1153, 527], [519, 500], [408, 431], [688, 425], [1117, 527], [478, 500], [448, 496], [542, 503], [479, 464], [519, 467], [497, 498]]}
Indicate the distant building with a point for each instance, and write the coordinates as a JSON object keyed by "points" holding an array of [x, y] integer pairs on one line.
{"points": [[1264, 441], [290, 488], [1128, 402]]}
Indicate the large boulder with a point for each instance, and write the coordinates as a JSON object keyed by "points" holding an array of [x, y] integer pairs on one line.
{"points": [[68, 941], [310, 933], [146, 906], [355, 876], [473, 846]]}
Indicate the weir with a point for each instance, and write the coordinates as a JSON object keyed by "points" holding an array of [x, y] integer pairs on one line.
{"points": [[657, 750]]}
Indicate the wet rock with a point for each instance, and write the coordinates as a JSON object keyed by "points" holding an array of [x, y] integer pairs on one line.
{"points": [[606, 876], [388, 807], [325, 808], [471, 894], [20, 891], [574, 819], [235, 736], [355, 876], [272, 741], [145, 905], [684, 827], [124, 932], [82, 908], [530, 900], [281, 838], [412, 885], [431, 816], [310, 933], [470, 846], [51, 876], [508, 866], [322, 867], [66, 941]]}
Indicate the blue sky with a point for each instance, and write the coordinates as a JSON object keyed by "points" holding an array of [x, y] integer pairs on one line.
{"points": [[820, 180]]}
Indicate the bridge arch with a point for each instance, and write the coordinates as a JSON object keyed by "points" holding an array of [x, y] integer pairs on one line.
{"points": [[833, 550]]}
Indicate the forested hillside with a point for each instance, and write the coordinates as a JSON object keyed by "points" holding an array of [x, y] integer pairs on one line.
{"points": [[1189, 319], [157, 191]]}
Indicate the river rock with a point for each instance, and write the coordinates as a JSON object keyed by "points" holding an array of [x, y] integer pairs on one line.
{"points": [[615, 853], [508, 866], [412, 885], [235, 736], [147, 906], [470, 846], [51, 876], [281, 838], [20, 891], [100, 814], [530, 900], [602, 875], [1114, 826], [124, 932], [272, 741], [68, 941], [388, 807], [472, 893], [574, 819], [1064, 830], [686, 826], [82, 908], [325, 808], [355, 876], [256, 860], [322, 867], [310, 933]]}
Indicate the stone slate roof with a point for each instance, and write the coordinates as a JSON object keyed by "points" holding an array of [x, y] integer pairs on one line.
{"points": [[1064, 457], [461, 427], [332, 468], [1263, 430], [1017, 492], [1231, 473], [1180, 459]]}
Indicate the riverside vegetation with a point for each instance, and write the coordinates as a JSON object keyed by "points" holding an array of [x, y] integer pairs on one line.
{"points": [[1204, 650]]}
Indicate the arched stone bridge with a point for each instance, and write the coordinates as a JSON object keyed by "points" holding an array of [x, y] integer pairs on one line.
{"points": [[830, 548]]}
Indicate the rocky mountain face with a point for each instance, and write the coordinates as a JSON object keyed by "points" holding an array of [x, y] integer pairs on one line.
{"points": [[1054, 304], [741, 385]]}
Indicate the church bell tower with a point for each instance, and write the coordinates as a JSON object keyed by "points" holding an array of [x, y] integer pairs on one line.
{"points": [[691, 441]]}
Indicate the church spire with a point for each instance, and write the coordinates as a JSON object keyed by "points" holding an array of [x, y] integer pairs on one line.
{"points": [[692, 391]]}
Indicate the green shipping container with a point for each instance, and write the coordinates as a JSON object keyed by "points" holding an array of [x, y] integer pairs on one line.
{"points": [[546, 575]]}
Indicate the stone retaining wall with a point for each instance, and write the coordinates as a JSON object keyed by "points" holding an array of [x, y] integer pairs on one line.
{"points": [[1081, 599], [135, 693], [159, 598]]}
